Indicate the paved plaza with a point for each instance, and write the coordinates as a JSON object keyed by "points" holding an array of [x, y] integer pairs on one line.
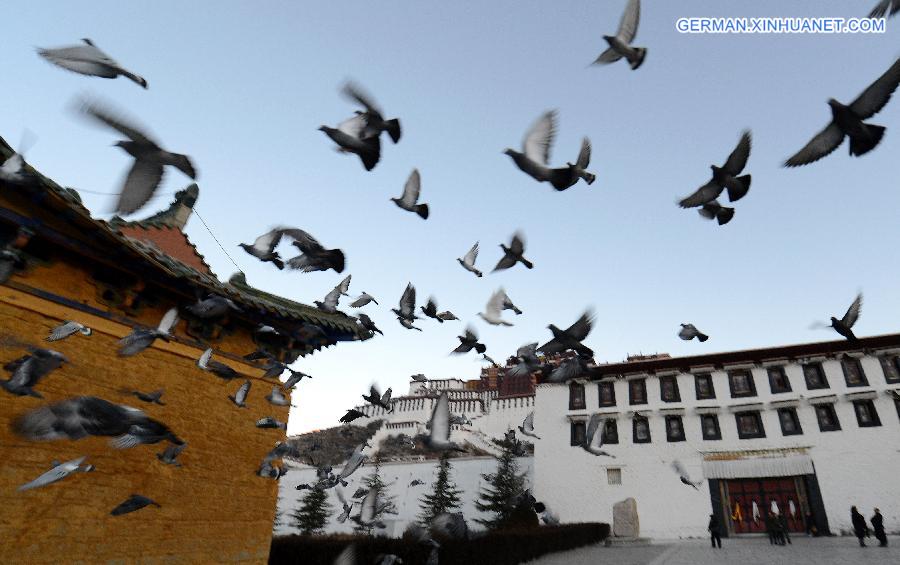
{"points": [[804, 551]]}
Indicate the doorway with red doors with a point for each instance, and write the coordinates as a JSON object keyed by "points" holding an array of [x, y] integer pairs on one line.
{"points": [[749, 500]]}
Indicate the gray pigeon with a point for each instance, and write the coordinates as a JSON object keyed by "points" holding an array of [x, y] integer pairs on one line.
{"points": [[593, 441], [263, 248], [28, 370], [715, 211], [493, 309], [844, 325], [569, 368], [406, 314], [330, 302], [269, 422], [528, 361], [88, 60], [408, 201], [348, 136], [469, 341], [362, 300], [81, 416], [10, 260], [212, 307], [217, 368], [430, 309], [347, 508], [416, 482], [357, 458], [277, 398], [170, 453], [313, 256], [150, 159], [535, 154], [527, 427], [684, 476], [240, 397], [58, 472], [571, 338], [149, 397], [296, 377], [885, 8], [508, 304], [366, 322], [689, 332], [446, 316], [438, 438], [725, 177], [513, 254], [375, 398], [468, 260], [351, 415], [564, 178], [13, 170], [374, 120], [134, 502], [419, 378], [142, 338], [847, 121], [620, 44], [66, 329]]}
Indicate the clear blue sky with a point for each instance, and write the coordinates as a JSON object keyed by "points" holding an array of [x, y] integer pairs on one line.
{"points": [[242, 87]]}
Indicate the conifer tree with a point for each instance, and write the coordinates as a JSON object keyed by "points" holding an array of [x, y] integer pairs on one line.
{"points": [[385, 502], [312, 516], [500, 496], [444, 498]]}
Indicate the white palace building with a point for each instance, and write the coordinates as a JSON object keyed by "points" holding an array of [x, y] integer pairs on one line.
{"points": [[810, 430]]}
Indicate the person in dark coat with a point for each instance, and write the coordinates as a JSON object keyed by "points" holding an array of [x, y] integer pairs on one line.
{"points": [[811, 529], [715, 535], [859, 525], [783, 529], [878, 526], [771, 529]]}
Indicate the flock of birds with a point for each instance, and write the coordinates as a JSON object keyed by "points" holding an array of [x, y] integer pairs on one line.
{"points": [[360, 135]]}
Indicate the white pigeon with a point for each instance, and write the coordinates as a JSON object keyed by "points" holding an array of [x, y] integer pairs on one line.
{"points": [[347, 508], [468, 260], [66, 329], [620, 44], [277, 398], [58, 472], [684, 476], [362, 300], [527, 427], [408, 201], [141, 338], [438, 438], [240, 397], [89, 60], [593, 441], [13, 169], [330, 302], [494, 308]]}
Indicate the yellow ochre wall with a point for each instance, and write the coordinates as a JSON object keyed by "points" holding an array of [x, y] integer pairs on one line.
{"points": [[215, 509]]}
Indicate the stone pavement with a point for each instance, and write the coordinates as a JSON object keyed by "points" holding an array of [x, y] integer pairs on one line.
{"points": [[740, 551]]}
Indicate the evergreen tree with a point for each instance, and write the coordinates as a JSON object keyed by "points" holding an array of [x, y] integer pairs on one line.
{"points": [[312, 516], [278, 515], [504, 487], [385, 503], [445, 497]]}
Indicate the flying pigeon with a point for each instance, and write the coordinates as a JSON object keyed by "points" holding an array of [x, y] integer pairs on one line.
{"points": [[569, 368], [494, 308], [212, 307], [406, 314], [620, 44], [263, 248], [348, 136], [379, 400], [468, 260], [714, 211], [535, 155], [170, 453], [330, 302], [408, 201], [277, 398], [217, 368], [268, 471], [571, 338], [313, 256], [593, 441], [446, 316], [514, 254], [58, 472], [527, 427], [357, 458], [689, 332], [430, 309], [347, 508], [240, 397], [351, 415], [141, 338], [360, 492], [149, 397], [683, 475], [134, 502], [438, 438], [419, 378], [508, 304], [81, 416], [66, 329], [367, 324], [296, 377], [725, 177], [416, 482], [28, 370], [374, 120], [363, 299], [10, 260], [369, 511], [487, 358], [564, 178], [528, 361], [88, 60], [13, 170], [150, 159], [469, 341], [848, 121], [844, 325], [269, 422], [885, 8]]}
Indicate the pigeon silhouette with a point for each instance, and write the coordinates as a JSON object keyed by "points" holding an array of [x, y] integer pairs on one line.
{"points": [[725, 177], [263, 248], [313, 256], [620, 44], [408, 201], [374, 120], [513, 254], [89, 60], [689, 332], [844, 325], [468, 260]]}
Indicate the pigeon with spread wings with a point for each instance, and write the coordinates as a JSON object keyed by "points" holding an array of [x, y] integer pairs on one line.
{"points": [[620, 44], [88, 60]]}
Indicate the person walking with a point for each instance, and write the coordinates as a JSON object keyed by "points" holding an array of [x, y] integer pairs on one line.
{"points": [[859, 525], [771, 528], [878, 526], [783, 529], [715, 535]]}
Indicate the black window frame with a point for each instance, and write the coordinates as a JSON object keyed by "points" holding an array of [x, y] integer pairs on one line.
{"points": [[635, 422], [643, 386], [573, 405], [862, 372], [836, 426], [750, 383], [876, 420], [755, 414], [573, 434], [820, 372], [718, 432], [662, 388], [609, 385], [607, 437], [673, 438], [712, 389], [781, 371], [795, 419], [892, 361]]}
